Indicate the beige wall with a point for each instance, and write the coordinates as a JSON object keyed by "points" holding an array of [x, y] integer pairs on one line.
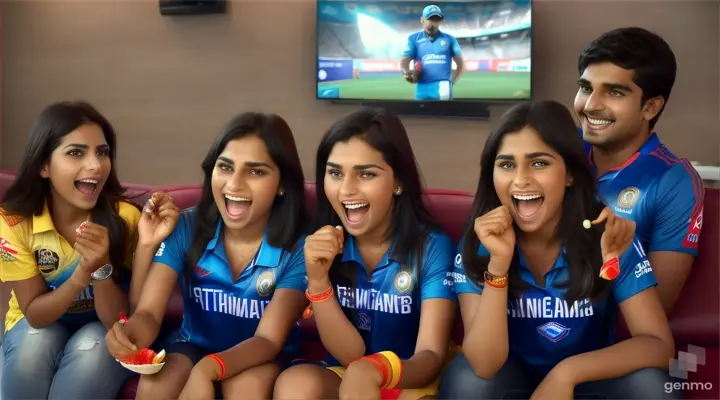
{"points": [[169, 84]]}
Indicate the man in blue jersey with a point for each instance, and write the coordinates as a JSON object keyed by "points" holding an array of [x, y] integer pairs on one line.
{"points": [[626, 76], [433, 51]]}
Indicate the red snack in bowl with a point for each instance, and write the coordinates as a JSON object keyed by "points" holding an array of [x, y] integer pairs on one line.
{"points": [[143, 357]]}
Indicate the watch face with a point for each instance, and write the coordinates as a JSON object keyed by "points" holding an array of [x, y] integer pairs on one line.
{"points": [[103, 272]]}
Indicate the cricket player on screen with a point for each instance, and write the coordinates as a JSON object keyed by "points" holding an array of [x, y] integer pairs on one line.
{"points": [[433, 52]]}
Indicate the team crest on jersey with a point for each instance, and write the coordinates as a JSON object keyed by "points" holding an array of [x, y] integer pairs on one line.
{"points": [[628, 197], [7, 253], [442, 42], [47, 260], [553, 331], [403, 282], [265, 283]]}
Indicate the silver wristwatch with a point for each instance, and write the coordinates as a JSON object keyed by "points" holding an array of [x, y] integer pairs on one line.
{"points": [[103, 272]]}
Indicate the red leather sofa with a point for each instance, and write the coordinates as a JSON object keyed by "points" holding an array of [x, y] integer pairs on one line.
{"points": [[695, 321]]}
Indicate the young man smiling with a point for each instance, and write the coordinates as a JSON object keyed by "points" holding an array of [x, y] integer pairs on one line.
{"points": [[626, 76]]}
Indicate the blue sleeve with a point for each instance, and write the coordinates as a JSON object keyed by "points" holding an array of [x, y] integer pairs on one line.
{"points": [[437, 269], [172, 250], [293, 272], [636, 273], [678, 213], [409, 50], [455, 49], [463, 284]]}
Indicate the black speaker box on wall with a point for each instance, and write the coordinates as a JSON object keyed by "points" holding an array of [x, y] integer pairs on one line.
{"points": [[192, 7]]}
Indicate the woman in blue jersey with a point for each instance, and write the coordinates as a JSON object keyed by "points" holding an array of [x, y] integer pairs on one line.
{"points": [[378, 270], [68, 285], [539, 317], [239, 258]]}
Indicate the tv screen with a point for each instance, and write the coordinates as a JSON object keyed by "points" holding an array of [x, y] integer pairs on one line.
{"points": [[410, 50]]}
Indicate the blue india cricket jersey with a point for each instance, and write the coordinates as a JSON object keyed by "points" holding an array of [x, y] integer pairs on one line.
{"points": [[662, 193], [385, 307], [435, 55], [219, 312], [544, 329]]}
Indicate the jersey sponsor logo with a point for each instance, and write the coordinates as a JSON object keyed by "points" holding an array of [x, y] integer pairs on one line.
{"points": [[363, 322], [553, 331], [374, 300], [160, 250], [549, 307], [642, 268], [627, 199], [47, 260], [695, 226], [458, 277], [265, 283], [403, 282], [7, 253], [434, 59], [449, 279], [216, 300]]}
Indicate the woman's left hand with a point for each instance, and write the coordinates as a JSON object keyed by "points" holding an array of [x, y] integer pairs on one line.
{"points": [[361, 381], [201, 383], [618, 236], [554, 387]]}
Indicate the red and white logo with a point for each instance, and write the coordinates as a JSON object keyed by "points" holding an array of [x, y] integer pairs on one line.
{"points": [[5, 247], [693, 236]]}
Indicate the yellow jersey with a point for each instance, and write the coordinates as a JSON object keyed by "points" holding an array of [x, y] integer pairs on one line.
{"points": [[32, 246]]}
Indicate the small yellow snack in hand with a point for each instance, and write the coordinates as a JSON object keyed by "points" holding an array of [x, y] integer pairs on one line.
{"points": [[587, 224]]}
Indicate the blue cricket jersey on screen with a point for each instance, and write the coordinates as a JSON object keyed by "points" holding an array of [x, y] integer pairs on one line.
{"points": [[544, 329], [219, 312], [436, 56], [662, 193], [385, 307]]}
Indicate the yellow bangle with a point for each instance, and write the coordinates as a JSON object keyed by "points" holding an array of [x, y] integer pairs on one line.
{"points": [[396, 366]]}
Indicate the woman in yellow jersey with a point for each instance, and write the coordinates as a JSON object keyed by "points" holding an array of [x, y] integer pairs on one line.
{"points": [[68, 284]]}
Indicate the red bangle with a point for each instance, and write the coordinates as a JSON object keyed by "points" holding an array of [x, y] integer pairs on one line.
{"points": [[315, 298], [378, 361], [220, 363], [610, 269]]}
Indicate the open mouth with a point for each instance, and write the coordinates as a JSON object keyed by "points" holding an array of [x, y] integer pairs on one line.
{"points": [[355, 211], [237, 206], [527, 205], [598, 123], [88, 187]]}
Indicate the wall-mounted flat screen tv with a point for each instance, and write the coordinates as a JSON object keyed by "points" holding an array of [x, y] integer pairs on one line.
{"points": [[423, 51]]}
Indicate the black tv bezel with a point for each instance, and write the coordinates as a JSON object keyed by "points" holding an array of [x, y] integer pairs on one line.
{"points": [[459, 108]]}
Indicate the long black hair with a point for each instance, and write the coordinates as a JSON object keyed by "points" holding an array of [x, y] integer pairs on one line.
{"points": [[556, 127], [288, 216], [28, 193], [411, 221]]}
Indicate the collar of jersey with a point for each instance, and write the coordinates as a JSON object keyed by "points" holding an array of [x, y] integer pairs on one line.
{"points": [[439, 34], [268, 256], [652, 143], [558, 272], [351, 253], [43, 222]]}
